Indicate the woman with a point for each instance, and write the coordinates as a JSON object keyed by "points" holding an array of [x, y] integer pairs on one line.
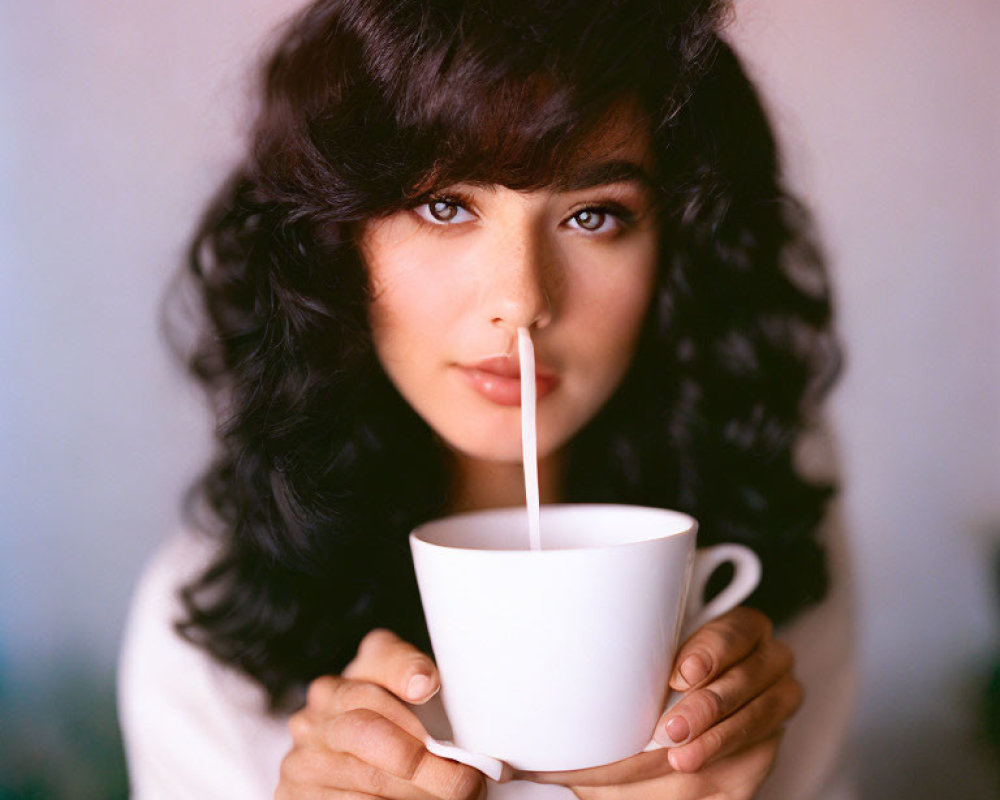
{"points": [[425, 178]]}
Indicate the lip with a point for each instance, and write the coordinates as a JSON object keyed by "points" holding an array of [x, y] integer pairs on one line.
{"points": [[498, 379]]}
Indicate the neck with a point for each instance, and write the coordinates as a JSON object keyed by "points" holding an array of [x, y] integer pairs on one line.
{"points": [[483, 484]]}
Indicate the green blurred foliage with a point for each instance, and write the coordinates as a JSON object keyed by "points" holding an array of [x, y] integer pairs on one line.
{"points": [[60, 737], [991, 705]]}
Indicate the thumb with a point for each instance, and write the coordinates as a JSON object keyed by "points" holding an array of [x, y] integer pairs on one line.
{"points": [[397, 666]]}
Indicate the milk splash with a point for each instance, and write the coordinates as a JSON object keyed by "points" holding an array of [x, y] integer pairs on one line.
{"points": [[529, 436]]}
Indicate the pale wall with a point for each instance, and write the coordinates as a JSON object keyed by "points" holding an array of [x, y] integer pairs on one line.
{"points": [[891, 114], [118, 118]]}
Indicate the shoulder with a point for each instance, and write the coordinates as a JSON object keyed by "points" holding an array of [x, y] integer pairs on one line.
{"points": [[192, 727], [823, 635], [815, 758]]}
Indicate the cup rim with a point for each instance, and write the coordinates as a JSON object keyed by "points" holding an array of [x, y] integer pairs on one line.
{"points": [[418, 536]]}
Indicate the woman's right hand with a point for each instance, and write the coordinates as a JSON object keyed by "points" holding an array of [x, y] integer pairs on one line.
{"points": [[355, 738]]}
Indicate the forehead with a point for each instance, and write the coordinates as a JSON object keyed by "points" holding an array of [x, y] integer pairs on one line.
{"points": [[620, 151], [616, 145]]}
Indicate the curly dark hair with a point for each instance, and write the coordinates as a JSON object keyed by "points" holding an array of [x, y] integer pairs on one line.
{"points": [[322, 468]]}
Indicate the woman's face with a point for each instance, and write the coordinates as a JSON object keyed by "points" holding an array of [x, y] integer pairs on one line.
{"points": [[453, 279]]}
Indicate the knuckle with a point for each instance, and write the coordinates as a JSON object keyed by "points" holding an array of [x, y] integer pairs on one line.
{"points": [[723, 636], [359, 694], [299, 765], [375, 639], [759, 621], [702, 709], [407, 755], [464, 783], [740, 626], [783, 655], [322, 690], [299, 726], [362, 722], [749, 624], [289, 767], [366, 734], [710, 705], [711, 742], [354, 730], [418, 662], [375, 781]]}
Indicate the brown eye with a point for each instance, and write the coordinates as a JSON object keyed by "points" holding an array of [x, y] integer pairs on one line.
{"points": [[442, 210], [589, 219]]}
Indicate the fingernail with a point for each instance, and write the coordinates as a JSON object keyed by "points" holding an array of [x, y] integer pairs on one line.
{"points": [[419, 686], [694, 670], [677, 730]]}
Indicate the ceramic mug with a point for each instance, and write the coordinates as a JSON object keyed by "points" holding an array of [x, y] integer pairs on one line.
{"points": [[559, 658]]}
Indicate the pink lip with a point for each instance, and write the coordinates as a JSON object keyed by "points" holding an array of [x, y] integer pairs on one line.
{"points": [[498, 379]]}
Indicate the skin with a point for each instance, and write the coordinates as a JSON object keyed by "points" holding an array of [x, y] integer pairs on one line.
{"points": [[453, 279], [356, 737]]}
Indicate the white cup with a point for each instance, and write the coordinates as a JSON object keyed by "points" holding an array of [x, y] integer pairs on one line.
{"points": [[559, 659]]}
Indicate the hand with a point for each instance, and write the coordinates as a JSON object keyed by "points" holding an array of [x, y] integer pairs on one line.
{"points": [[735, 777], [723, 735], [355, 738]]}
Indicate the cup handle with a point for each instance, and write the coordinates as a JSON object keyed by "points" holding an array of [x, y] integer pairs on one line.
{"points": [[490, 767], [745, 580], [697, 613]]}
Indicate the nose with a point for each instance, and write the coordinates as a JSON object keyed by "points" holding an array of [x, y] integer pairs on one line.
{"points": [[523, 280]]}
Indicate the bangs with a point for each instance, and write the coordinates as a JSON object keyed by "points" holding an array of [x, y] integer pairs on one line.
{"points": [[499, 93], [511, 97], [524, 136]]}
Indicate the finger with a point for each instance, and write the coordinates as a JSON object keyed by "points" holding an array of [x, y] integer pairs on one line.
{"points": [[385, 659], [702, 708], [380, 758], [629, 770], [331, 695], [760, 719], [322, 793], [741, 773], [314, 774], [347, 716], [717, 645], [345, 772], [368, 755]]}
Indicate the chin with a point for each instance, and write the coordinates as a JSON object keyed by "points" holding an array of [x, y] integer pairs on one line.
{"points": [[501, 448], [508, 452]]}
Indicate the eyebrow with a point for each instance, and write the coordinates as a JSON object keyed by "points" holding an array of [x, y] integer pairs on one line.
{"points": [[601, 173]]}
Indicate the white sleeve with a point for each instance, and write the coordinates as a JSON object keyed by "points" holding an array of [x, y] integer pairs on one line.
{"points": [[192, 728], [815, 761]]}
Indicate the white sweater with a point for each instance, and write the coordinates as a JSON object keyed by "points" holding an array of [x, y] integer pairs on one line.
{"points": [[196, 730]]}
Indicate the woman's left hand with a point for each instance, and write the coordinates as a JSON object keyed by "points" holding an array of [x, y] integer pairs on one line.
{"points": [[722, 737]]}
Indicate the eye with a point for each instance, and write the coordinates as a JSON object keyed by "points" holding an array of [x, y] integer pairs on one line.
{"points": [[443, 212], [599, 220], [590, 219]]}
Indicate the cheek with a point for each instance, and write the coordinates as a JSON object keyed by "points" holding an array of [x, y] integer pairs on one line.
{"points": [[401, 313], [614, 304], [409, 306]]}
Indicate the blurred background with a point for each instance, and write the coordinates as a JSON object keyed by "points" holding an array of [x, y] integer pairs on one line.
{"points": [[117, 119]]}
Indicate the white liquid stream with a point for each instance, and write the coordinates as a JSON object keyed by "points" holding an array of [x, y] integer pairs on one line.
{"points": [[529, 436]]}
